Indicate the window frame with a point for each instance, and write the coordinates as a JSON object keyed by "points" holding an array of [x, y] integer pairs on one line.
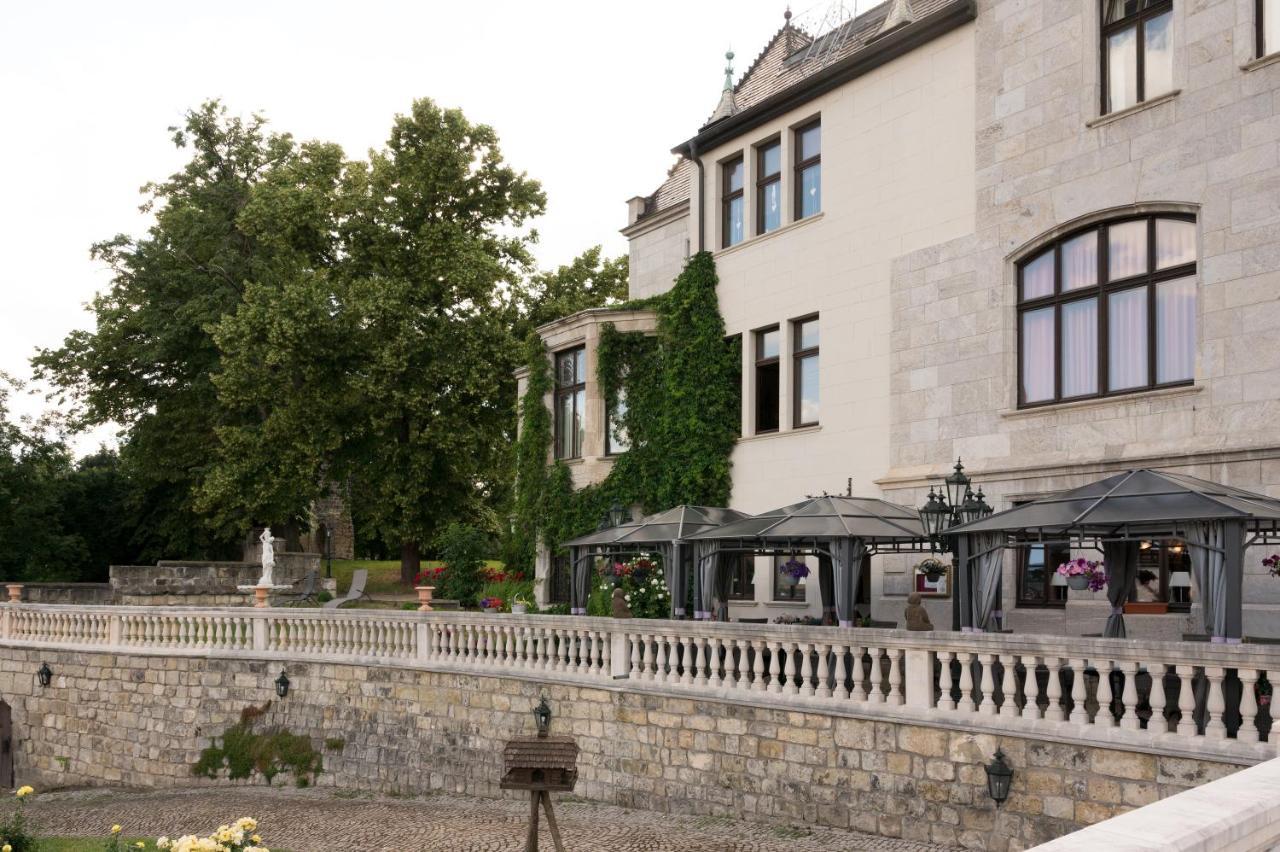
{"points": [[763, 181], [758, 363], [1164, 570], [561, 391], [1260, 30], [1101, 290], [1051, 601], [728, 196], [798, 357], [776, 562], [1138, 21], [742, 584], [800, 166], [560, 591]]}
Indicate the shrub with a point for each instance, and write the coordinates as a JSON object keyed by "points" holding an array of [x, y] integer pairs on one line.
{"points": [[14, 832], [324, 596], [244, 751], [463, 548]]}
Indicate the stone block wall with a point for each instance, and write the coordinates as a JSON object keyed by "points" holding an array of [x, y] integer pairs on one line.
{"points": [[142, 721], [88, 594], [176, 583]]}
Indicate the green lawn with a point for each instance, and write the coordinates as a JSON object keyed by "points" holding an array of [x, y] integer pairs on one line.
{"points": [[384, 576], [88, 844]]}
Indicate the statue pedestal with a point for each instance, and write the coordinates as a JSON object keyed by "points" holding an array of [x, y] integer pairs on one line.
{"points": [[15, 592], [260, 593], [424, 597]]}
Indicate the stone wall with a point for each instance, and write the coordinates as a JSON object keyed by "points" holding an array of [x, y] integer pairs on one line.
{"points": [[89, 594], [175, 583], [142, 721]]}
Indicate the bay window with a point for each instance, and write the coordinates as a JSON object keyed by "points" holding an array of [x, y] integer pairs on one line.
{"points": [[1137, 52], [1110, 309], [570, 402]]}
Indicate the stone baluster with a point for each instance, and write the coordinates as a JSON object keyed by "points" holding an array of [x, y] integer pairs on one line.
{"points": [[841, 689], [757, 666], [1009, 686], [1129, 697], [775, 667], [572, 664], [667, 664], [686, 660], [1273, 732], [1079, 713], [1158, 723], [633, 643], [741, 670], [947, 681], [604, 639], [1053, 692], [720, 662], [1186, 700], [896, 695], [789, 669], [649, 666], [1214, 728], [1248, 731], [988, 684], [1104, 717], [824, 680], [967, 703]]}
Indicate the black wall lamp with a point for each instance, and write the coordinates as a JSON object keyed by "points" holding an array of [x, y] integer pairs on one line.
{"points": [[282, 684], [999, 778], [542, 714], [45, 675]]}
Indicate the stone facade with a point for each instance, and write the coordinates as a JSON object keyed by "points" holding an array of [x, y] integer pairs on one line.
{"points": [[142, 721], [331, 525], [174, 583], [90, 594]]}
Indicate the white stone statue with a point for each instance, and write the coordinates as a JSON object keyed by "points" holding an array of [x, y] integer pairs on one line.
{"points": [[268, 558]]}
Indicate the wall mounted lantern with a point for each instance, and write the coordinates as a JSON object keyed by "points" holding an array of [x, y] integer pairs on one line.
{"points": [[617, 514], [45, 675], [542, 714], [999, 778], [282, 684]]}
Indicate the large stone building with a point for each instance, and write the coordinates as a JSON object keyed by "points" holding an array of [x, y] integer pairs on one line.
{"points": [[1040, 236]]}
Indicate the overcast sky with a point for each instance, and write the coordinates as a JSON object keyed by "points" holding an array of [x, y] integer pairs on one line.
{"points": [[587, 97]]}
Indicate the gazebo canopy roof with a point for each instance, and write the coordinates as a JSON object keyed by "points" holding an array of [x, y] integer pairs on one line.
{"points": [[826, 517], [672, 524], [1130, 503]]}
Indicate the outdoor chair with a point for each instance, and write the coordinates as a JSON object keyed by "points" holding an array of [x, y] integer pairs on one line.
{"points": [[305, 592], [358, 581]]}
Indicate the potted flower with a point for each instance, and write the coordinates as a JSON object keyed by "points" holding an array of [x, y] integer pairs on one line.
{"points": [[491, 604], [1081, 574], [519, 605], [793, 571], [932, 568], [1272, 564]]}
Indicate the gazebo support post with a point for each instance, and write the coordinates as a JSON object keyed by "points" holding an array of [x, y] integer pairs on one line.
{"points": [[1233, 557], [962, 593]]}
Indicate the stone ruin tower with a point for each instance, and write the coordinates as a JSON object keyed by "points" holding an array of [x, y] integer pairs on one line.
{"points": [[331, 513]]}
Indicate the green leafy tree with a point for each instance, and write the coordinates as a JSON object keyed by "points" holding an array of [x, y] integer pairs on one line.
{"points": [[588, 281], [150, 360], [433, 241]]}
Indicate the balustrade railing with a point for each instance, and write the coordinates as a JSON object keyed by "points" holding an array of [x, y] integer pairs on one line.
{"points": [[1161, 694]]}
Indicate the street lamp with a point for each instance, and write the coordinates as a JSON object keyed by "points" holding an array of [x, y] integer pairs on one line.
{"points": [[328, 551], [956, 504]]}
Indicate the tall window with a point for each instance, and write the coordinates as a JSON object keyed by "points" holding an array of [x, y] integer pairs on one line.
{"points": [[1268, 20], [1108, 310], [768, 187], [808, 170], [571, 402], [732, 201], [1038, 584], [1164, 574], [560, 587], [1137, 52], [742, 575], [786, 587], [767, 376], [805, 405], [616, 439]]}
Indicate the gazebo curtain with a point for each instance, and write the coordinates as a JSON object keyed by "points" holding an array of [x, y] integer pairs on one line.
{"points": [[848, 556], [1208, 542], [1121, 558], [704, 579], [580, 589], [723, 586], [827, 588], [673, 570], [988, 559]]}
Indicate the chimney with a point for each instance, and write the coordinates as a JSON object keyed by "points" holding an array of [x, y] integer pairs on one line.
{"points": [[635, 208]]}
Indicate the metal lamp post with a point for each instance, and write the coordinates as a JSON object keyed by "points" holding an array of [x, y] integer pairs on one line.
{"points": [[954, 504], [328, 553]]}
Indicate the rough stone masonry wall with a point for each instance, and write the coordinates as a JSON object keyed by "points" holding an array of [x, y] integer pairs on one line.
{"points": [[142, 721]]}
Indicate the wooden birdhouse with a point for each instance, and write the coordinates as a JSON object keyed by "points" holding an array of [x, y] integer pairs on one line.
{"points": [[540, 763]]}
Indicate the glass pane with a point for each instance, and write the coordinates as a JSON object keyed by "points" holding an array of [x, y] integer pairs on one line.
{"points": [[619, 441], [733, 179], [771, 199], [784, 588], [564, 430], [579, 421], [807, 334], [767, 344], [1127, 339], [770, 160], [1080, 348], [1122, 69], [1158, 59], [1037, 355], [564, 369], [734, 225], [1034, 575], [1175, 242], [579, 366], [1118, 10], [1037, 277], [1176, 330], [1270, 27], [1080, 261], [808, 390], [1127, 249], [811, 191], [811, 142]]}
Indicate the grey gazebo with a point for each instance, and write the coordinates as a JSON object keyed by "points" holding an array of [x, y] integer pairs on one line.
{"points": [[1217, 522], [842, 529], [665, 533]]}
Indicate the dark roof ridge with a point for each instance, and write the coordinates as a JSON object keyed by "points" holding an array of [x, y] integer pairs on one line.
{"points": [[785, 29]]}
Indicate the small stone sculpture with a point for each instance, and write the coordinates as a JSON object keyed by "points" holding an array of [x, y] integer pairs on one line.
{"points": [[621, 609], [268, 558], [917, 616]]}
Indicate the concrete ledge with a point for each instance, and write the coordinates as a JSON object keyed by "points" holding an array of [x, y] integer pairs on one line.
{"points": [[1239, 813]]}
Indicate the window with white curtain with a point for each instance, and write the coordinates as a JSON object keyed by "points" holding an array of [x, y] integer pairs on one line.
{"points": [[1137, 51], [1109, 309]]}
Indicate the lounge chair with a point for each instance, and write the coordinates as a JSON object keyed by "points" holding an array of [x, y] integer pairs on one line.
{"points": [[358, 581], [306, 591]]}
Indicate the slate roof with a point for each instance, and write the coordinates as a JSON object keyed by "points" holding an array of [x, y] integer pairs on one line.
{"points": [[786, 61], [540, 753]]}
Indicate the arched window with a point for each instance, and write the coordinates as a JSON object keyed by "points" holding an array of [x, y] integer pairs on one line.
{"points": [[1108, 309]]}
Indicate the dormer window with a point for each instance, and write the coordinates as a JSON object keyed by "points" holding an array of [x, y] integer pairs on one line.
{"points": [[768, 187], [1137, 52], [732, 200], [808, 169]]}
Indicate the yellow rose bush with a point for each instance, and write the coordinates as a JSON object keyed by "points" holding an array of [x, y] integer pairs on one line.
{"points": [[15, 834], [239, 836]]}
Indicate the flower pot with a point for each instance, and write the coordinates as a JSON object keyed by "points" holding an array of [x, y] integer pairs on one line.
{"points": [[15, 592], [790, 579], [1078, 582], [1146, 608], [519, 609], [490, 609], [424, 597], [934, 575]]}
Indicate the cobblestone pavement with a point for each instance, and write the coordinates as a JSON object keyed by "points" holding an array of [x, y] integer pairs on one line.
{"points": [[307, 821]]}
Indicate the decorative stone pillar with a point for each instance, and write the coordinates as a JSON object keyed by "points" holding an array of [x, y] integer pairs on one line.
{"points": [[15, 592], [424, 597]]}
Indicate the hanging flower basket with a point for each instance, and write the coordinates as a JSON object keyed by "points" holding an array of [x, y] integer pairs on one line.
{"points": [[933, 569], [793, 571], [1081, 574]]}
